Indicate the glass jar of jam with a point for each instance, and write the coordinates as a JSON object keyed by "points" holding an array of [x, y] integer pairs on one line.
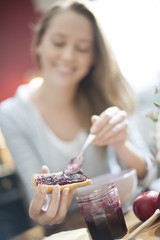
{"points": [[101, 209]]}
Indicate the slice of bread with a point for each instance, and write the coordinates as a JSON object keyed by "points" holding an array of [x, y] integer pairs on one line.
{"points": [[35, 187]]}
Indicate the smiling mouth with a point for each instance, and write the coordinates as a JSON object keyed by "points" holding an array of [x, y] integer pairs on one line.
{"points": [[64, 69]]}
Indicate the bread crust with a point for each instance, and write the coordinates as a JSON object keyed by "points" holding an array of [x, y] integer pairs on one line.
{"points": [[51, 187]]}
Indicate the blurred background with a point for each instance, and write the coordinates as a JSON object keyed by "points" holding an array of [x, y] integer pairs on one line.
{"points": [[132, 28]]}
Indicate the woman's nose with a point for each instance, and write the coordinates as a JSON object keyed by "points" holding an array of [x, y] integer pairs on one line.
{"points": [[68, 53]]}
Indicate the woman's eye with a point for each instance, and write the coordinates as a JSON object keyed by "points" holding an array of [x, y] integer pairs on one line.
{"points": [[80, 49], [59, 44]]}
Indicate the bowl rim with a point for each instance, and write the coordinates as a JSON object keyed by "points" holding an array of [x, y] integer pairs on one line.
{"points": [[123, 173]]}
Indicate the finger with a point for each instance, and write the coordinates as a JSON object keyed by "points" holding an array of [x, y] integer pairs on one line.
{"points": [[120, 136], [50, 215], [103, 119], [119, 117], [106, 129], [114, 132], [63, 207], [122, 126], [111, 129], [94, 118], [37, 202], [45, 169]]}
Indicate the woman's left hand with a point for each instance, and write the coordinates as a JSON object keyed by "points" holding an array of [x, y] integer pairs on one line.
{"points": [[110, 127], [53, 211]]}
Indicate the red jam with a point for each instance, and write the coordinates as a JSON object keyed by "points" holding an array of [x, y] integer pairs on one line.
{"points": [[61, 180]]}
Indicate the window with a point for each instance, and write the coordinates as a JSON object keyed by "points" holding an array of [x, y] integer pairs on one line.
{"points": [[133, 30]]}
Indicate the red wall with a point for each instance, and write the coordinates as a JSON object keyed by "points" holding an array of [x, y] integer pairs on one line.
{"points": [[16, 18]]}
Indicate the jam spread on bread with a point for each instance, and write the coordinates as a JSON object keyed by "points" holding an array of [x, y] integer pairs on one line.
{"points": [[63, 179]]}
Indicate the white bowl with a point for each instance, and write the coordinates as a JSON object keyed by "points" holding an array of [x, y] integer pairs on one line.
{"points": [[126, 182]]}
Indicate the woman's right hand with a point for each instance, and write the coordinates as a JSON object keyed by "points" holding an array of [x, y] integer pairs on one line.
{"points": [[55, 211]]}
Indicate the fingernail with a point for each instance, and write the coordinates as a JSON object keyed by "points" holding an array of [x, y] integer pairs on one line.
{"points": [[43, 189], [56, 188]]}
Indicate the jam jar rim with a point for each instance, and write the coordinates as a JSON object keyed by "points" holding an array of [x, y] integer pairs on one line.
{"points": [[94, 195]]}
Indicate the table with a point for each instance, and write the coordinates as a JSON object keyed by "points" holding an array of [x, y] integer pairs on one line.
{"points": [[75, 221], [150, 233]]}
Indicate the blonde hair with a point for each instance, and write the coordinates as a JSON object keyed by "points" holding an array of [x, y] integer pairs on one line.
{"points": [[104, 85]]}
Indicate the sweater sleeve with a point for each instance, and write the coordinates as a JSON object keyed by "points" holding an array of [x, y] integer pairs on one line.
{"points": [[23, 153], [136, 138]]}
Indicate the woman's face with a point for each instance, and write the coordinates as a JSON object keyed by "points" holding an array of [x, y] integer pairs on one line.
{"points": [[66, 49]]}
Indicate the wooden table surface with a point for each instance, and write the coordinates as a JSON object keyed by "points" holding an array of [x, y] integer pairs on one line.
{"points": [[75, 221]]}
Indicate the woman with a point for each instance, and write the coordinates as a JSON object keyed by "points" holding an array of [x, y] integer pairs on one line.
{"points": [[83, 91]]}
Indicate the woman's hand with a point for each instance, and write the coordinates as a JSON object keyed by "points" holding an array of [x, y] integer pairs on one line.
{"points": [[54, 211], [110, 127]]}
